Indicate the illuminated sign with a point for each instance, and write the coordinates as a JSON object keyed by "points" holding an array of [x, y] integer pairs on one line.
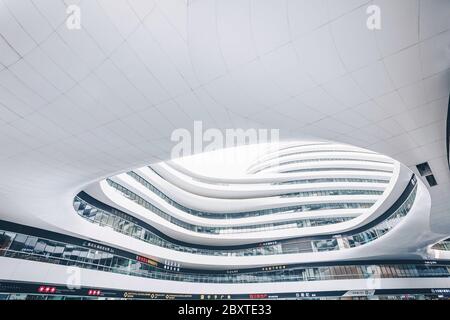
{"points": [[270, 243], [273, 268], [445, 291], [258, 296], [147, 261], [356, 293], [155, 295], [97, 246], [232, 271], [305, 295], [94, 292], [45, 289], [171, 265]]}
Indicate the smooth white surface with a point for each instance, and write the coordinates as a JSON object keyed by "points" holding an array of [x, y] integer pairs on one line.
{"points": [[79, 106]]}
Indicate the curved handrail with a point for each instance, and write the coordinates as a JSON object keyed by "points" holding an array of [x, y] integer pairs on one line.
{"points": [[360, 236]]}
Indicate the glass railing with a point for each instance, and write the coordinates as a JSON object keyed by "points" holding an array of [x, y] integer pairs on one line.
{"points": [[122, 222], [309, 152], [326, 180], [234, 215], [325, 193], [94, 256], [443, 245], [336, 192], [334, 169], [285, 163], [382, 227], [100, 217]]}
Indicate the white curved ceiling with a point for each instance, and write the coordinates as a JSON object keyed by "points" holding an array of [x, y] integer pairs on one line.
{"points": [[79, 105]]}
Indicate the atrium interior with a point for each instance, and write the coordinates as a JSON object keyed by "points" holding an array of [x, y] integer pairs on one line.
{"points": [[224, 149]]}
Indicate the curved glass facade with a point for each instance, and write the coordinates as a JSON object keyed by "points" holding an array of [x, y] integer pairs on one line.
{"points": [[123, 223], [443, 245], [317, 160], [334, 169], [221, 230], [90, 255], [324, 193], [200, 213], [155, 144], [100, 217], [326, 180], [298, 208], [336, 150]]}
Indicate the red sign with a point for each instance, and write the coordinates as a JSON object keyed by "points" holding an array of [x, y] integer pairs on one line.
{"points": [[258, 296], [94, 292], [147, 261], [45, 289]]}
